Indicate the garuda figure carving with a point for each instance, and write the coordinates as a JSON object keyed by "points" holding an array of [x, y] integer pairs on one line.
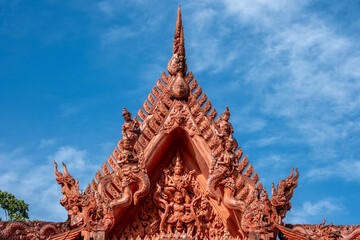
{"points": [[177, 200]]}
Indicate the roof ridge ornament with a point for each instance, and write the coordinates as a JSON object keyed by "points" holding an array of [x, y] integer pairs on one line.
{"points": [[177, 66]]}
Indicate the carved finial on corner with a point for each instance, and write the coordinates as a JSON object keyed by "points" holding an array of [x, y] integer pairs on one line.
{"points": [[125, 112]]}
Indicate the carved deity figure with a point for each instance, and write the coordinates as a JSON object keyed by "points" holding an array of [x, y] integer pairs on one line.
{"points": [[182, 214], [221, 168], [130, 128], [179, 181]]}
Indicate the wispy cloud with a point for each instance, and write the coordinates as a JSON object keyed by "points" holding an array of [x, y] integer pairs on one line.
{"points": [[47, 142], [114, 34], [344, 169], [313, 213]]}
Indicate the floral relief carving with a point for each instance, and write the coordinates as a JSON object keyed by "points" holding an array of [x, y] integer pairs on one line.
{"points": [[179, 116]]}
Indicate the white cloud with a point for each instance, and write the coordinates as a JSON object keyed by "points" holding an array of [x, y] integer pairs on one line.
{"points": [[313, 213], [344, 169], [265, 141], [72, 157]]}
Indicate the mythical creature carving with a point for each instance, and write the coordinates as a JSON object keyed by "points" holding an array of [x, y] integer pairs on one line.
{"points": [[281, 196], [69, 188], [82, 207], [241, 193]]}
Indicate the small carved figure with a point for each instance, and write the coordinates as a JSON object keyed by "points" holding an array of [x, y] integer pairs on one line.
{"points": [[217, 230], [128, 160], [205, 215], [226, 129], [131, 170], [75, 217], [130, 128]]}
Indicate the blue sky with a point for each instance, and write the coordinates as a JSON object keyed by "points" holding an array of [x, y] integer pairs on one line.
{"points": [[289, 71]]}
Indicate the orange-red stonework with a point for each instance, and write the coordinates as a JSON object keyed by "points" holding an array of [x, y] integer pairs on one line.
{"points": [[177, 173]]}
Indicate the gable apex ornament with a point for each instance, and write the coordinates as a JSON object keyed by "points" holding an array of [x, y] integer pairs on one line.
{"points": [[179, 89]]}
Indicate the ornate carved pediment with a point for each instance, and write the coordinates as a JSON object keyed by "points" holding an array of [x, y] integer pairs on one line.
{"points": [[177, 173]]}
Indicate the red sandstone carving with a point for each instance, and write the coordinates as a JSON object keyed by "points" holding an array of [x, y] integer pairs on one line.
{"points": [[319, 232], [184, 212]]}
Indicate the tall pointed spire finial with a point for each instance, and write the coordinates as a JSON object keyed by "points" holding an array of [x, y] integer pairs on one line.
{"points": [[177, 66], [178, 31]]}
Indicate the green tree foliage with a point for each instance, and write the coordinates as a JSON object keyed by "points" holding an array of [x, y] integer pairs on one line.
{"points": [[14, 209]]}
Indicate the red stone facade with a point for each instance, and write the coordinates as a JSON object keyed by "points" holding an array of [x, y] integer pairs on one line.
{"points": [[177, 173]]}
